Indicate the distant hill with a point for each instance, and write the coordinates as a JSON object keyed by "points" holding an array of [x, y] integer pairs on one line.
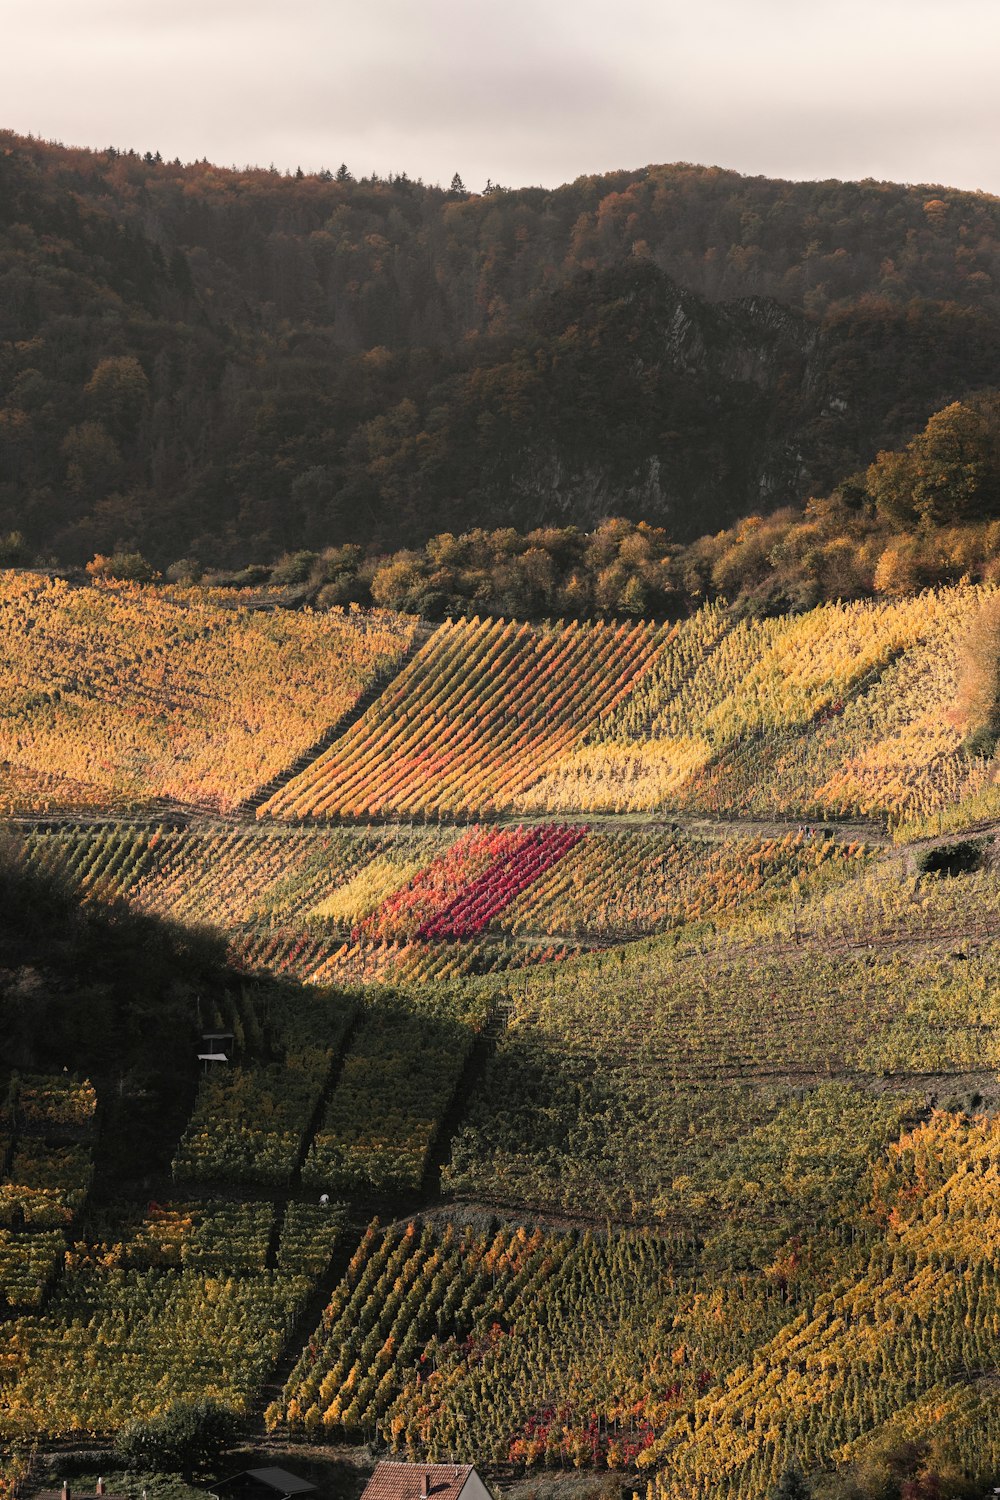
{"points": [[229, 364]]}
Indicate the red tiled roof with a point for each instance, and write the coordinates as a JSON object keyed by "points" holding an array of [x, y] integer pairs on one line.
{"points": [[396, 1481]]}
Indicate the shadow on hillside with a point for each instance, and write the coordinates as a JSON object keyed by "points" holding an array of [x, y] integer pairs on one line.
{"points": [[99, 991]]}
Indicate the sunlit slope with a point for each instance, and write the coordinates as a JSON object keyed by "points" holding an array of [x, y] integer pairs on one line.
{"points": [[113, 696], [477, 716], [335, 904], [915, 1329], [847, 710], [704, 1371], [136, 692]]}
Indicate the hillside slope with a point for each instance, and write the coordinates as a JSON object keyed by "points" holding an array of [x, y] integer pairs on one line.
{"points": [[225, 364], [650, 1141]]}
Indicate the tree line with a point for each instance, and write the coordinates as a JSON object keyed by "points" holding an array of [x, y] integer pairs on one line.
{"points": [[223, 365], [925, 514]]}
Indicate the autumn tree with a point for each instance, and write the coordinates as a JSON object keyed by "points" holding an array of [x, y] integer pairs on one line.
{"points": [[957, 470], [949, 472], [130, 567], [898, 568], [118, 391]]}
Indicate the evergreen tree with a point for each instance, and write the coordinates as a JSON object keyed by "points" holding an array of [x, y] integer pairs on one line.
{"points": [[791, 1485]]}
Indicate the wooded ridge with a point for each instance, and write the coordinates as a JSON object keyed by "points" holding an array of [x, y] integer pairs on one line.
{"points": [[223, 365]]}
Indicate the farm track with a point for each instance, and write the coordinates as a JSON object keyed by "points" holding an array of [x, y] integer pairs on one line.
{"points": [[695, 825]]}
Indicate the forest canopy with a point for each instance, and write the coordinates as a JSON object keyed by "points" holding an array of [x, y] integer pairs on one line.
{"points": [[926, 514], [222, 366]]}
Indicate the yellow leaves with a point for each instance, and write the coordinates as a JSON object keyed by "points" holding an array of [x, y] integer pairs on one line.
{"points": [[137, 691], [619, 778], [144, 691], [361, 894], [476, 718], [765, 717]]}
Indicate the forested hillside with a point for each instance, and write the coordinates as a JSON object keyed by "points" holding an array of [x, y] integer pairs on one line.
{"points": [[221, 364]]}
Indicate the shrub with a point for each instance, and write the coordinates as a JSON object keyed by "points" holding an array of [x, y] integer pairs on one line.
{"points": [[189, 1437], [952, 859], [129, 567]]}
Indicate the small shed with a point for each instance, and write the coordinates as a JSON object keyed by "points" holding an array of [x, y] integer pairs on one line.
{"points": [[216, 1047], [262, 1484], [218, 1041], [402, 1481], [210, 1059]]}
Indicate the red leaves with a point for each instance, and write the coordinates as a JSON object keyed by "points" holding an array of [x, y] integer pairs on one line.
{"points": [[561, 1431], [470, 912]]}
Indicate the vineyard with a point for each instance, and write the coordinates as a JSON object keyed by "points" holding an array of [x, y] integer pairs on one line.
{"points": [[478, 714], [125, 694], [249, 1122], [516, 1346], [46, 1162], [846, 711], [623, 1078], [119, 696], [400, 904], [399, 1077], [623, 1106], [183, 1305]]}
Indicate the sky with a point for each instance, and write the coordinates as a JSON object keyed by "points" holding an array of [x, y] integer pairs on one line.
{"points": [[518, 91]]}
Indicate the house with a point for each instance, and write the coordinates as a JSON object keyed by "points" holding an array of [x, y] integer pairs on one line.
{"points": [[262, 1484], [399, 1481]]}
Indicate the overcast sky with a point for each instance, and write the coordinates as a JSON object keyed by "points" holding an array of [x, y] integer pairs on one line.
{"points": [[521, 91]]}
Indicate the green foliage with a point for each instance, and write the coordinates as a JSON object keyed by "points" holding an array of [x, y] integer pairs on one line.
{"points": [[295, 567], [957, 858], [949, 473], [791, 1485], [190, 1437]]}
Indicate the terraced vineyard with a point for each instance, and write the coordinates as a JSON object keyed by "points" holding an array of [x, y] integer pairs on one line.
{"points": [[475, 718], [779, 717], [402, 903], [122, 694], [183, 1305], [624, 1108], [46, 1161], [198, 1295]]}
